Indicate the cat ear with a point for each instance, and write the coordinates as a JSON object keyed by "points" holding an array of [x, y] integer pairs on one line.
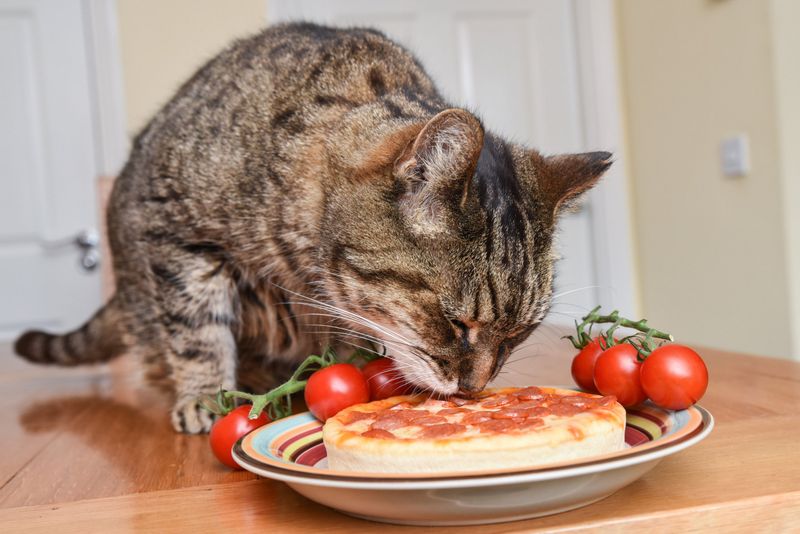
{"points": [[567, 176], [436, 168]]}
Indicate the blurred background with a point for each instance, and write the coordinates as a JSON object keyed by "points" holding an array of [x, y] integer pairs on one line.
{"points": [[696, 226]]}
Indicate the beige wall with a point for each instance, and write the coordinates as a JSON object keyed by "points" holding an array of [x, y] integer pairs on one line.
{"points": [[712, 249], [163, 42]]}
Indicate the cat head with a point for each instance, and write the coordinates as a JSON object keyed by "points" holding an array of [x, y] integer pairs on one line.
{"points": [[442, 250]]}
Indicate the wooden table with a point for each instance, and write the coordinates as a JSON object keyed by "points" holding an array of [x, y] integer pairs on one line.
{"points": [[91, 450]]}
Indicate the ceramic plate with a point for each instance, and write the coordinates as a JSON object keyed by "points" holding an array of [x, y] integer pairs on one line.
{"points": [[291, 450]]}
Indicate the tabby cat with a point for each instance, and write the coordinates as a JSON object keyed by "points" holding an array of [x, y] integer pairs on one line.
{"points": [[310, 185]]}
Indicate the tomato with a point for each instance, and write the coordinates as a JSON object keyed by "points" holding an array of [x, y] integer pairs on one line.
{"points": [[334, 388], [674, 376], [227, 431], [383, 379], [583, 364], [616, 372]]}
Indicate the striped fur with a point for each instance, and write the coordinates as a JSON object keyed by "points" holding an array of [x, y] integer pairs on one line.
{"points": [[97, 340], [311, 186]]}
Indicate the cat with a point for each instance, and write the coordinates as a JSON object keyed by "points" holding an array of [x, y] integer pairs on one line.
{"points": [[310, 186]]}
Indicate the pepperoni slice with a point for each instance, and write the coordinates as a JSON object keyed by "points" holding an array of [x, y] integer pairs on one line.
{"points": [[389, 423], [576, 400], [608, 400], [525, 405], [530, 393], [452, 411], [356, 415], [530, 422], [405, 414], [476, 418], [378, 433], [538, 411], [441, 430], [428, 420], [497, 426], [565, 409], [511, 413], [499, 401], [415, 415]]}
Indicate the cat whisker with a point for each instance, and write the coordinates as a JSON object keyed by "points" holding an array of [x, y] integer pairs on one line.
{"points": [[521, 373], [346, 313], [576, 290], [351, 316], [373, 338], [365, 338], [386, 355], [522, 358]]}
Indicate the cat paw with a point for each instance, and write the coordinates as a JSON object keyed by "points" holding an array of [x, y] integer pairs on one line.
{"points": [[189, 417]]}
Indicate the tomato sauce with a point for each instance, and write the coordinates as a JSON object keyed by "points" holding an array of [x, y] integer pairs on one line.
{"points": [[519, 410]]}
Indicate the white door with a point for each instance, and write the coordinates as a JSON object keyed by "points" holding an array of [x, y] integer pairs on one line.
{"points": [[515, 62], [47, 166]]}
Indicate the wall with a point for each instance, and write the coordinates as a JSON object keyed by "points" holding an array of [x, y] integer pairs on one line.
{"points": [[712, 249], [163, 42]]}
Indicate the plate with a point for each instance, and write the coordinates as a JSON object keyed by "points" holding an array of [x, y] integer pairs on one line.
{"points": [[291, 450]]}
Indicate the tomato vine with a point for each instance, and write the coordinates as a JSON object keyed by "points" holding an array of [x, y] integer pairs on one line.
{"points": [[643, 340], [278, 401]]}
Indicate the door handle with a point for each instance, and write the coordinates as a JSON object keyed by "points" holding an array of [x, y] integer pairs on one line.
{"points": [[87, 241]]}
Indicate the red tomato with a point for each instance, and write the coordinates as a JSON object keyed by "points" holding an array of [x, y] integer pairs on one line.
{"points": [[583, 364], [674, 376], [229, 429], [334, 388], [616, 372], [383, 379]]}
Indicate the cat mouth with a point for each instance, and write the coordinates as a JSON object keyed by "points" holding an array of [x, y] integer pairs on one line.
{"points": [[420, 372]]}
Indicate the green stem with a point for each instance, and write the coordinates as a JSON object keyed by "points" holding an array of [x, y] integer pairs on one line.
{"points": [[640, 325], [581, 338], [260, 402], [366, 355], [282, 393]]}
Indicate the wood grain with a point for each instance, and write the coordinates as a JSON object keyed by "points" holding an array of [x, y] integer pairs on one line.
{"points": [[91, 450]]}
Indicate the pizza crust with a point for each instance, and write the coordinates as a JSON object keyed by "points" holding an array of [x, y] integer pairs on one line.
{"points": [[595, 430]]}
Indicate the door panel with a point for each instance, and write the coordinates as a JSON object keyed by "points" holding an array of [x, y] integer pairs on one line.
{"points": [[47, 166], [500, 91], [20, 203]]}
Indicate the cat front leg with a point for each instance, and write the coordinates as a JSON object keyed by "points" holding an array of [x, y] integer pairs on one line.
{"points": [[200, 366], [196, 297]]}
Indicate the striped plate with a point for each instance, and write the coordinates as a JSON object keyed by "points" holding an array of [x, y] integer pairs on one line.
{"points": [[294, 444]]}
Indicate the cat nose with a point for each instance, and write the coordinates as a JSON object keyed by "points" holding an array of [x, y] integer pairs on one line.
{"points": [[467, 390], [471, 384], [481, 368]]}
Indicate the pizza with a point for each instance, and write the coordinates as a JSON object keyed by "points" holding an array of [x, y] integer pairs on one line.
{"points": [[498, 429]]}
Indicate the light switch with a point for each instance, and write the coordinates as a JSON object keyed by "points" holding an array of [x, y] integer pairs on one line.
{"points": [[735, 154]]}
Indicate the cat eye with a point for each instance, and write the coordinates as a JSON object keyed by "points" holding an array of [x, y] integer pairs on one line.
{"points": [[460, 325], [463, 330]]}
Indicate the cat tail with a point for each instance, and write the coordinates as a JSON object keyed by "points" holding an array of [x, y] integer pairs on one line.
{"points": [[98, 340]]}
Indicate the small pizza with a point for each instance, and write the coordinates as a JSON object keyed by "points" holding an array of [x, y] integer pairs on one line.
{"points": [[499, 429]]}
